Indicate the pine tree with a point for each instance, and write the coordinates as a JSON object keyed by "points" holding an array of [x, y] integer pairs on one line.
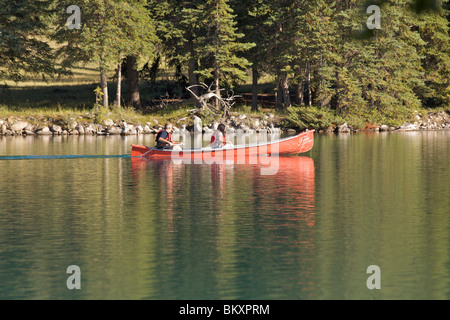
{"points": [[24, 29], [219, 46], [282, 31], [252, 17], [315, 37], [111, 30], [433, 27], [178, 25]]}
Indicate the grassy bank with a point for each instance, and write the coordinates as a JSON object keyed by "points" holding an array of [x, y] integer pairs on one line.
{"points": [[59, 101]]}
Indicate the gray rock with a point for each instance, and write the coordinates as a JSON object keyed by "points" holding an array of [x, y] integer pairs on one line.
{"points": [[139, 129], [30, 127], [243, 127], [72, 124], [90, 130], [3, 128], [255, 124], [74, 132], [98, 127], [114, 130], [147, 129], [412, 127], [242, 116], [197, 125], [29, 132], [291, 131], [344, 128], [80, 129], [384, 127], [108, 123], [130, 130], [19, 126], [56, 129], [44, 131]]}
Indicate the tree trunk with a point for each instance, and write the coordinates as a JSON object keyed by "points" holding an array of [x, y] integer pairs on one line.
{"points": [[119, 83], [286, 93], [104, 81], [104, 84], [133, 82], [216, 83], [283, 95], [255, 88], [279, 93], [192, 76], [308, 70], [299, 93], [192, 67]]}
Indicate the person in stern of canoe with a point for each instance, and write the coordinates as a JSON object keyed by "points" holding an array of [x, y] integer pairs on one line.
{"points": [[218, 138], [164, 138]]}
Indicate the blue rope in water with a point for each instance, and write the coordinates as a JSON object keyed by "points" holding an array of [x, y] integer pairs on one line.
{"points": [[49, 157]]}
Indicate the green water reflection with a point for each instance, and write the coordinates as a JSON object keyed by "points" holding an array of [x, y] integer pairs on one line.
{"points": [[170, 230]]}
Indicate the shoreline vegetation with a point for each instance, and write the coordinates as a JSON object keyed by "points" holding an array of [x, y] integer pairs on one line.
{"points": [[49, 108], [127, 121]]}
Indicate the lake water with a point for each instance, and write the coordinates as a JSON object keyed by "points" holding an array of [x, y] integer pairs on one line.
{"points": [[173, 230]]}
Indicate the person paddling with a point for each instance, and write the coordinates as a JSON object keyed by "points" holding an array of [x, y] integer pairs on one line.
{"points": [[218, 139], [164, 137]]}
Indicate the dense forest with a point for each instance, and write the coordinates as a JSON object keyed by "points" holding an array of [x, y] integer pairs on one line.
{"points": [[337, 55]]}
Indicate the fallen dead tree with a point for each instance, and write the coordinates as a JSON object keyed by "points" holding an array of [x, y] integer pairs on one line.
{"points": [[213, 101]]}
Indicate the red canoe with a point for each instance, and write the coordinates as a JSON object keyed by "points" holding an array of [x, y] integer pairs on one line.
{"points": [[291, 145]]}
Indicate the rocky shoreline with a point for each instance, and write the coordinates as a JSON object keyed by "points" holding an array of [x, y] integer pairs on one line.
{"points": [[431, 121], [22, 126]]}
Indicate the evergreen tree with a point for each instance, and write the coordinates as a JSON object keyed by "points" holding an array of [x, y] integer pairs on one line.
{"points": [[282, 30], [179, 27], [314, 50], [111, 30], [24, 29], [219, 45], [252, 17], [433, 27], [381, 74]]}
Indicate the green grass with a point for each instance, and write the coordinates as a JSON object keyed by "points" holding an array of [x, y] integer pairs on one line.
{"points": [[58, 100]]}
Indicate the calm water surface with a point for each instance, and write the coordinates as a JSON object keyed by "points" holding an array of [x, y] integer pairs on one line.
{"points": [[171, 230]]}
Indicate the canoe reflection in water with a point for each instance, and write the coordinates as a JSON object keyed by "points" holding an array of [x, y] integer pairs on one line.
{"points": [[267, 178], [233, 223]]}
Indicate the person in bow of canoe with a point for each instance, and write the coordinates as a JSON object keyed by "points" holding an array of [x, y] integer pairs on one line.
{"points": [[164, 138], [218, 139]]}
